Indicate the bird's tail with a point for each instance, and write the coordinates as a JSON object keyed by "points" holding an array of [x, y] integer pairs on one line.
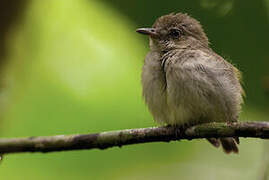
{"points": [[228, 144]]}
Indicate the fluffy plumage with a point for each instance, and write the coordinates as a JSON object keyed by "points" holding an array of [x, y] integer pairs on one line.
{"points": [[185, 82]]}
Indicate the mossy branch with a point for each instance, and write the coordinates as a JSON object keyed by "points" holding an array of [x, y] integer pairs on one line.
{"points": [[119, 138]]}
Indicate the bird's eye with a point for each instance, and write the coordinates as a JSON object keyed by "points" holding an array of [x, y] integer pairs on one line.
{"points": [[175, 33]]}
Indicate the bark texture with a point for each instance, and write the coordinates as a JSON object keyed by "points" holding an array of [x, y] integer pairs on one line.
{"points": [[119, 138]]}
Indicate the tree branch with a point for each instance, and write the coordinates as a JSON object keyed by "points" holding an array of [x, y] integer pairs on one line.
{"points": [[119, 138]]}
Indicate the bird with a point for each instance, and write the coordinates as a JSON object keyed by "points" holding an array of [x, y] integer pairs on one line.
{"points": [[186, 83]]}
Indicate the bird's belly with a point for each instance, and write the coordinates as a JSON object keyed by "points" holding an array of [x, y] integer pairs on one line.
{"points": [[181, 98], [189, 103], [154, 92], [179, 115], [165, 110]]}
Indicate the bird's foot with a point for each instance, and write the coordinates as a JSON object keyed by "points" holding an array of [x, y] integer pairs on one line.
{"points": [[178, 131]]}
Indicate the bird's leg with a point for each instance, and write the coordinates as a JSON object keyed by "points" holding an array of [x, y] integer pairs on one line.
{"points": [[235, 138], [178, 130]]}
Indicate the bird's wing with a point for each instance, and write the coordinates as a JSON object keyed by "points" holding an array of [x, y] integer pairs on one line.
{"points": [[206, 78], [211, 70]]}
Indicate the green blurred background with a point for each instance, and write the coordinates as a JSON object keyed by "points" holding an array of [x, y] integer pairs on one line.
{"points": [[73, 66]]}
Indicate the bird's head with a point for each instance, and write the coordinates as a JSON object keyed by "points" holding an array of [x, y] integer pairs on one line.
{"points": [[174, 31]]}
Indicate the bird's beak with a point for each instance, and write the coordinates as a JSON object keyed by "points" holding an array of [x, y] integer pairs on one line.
{"points": [[148, 31]]}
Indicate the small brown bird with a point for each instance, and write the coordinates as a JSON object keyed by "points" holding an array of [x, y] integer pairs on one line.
{"points": [[185, 82]]}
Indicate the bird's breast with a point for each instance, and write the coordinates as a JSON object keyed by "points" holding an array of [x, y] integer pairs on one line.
{"points": [[154, 86]]}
